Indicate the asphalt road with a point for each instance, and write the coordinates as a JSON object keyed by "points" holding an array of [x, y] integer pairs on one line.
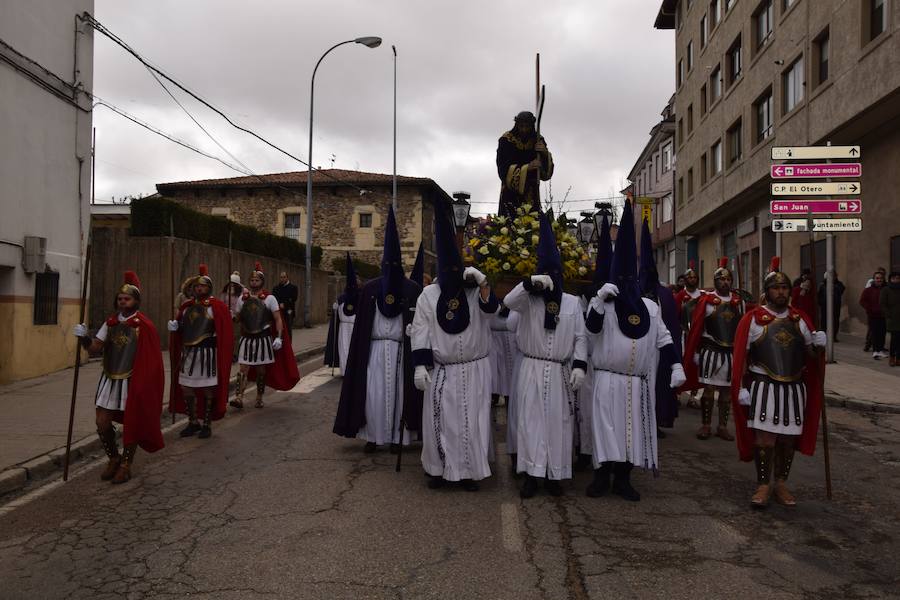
{"points": [[275, 506]]}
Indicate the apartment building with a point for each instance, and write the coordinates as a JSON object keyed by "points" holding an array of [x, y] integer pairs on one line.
{"points": [[753, 74]]}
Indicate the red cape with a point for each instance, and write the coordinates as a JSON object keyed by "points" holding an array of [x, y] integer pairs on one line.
{"points": [[143, 406], [681, 297], [224, 345], [696, 335], [283, 374], [813, 377]]}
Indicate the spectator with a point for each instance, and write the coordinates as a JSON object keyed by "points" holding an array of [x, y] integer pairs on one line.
{"points": [[890, 306], [870, 300], [286, 294], [869, 283], [802, 295], [837, 297]]}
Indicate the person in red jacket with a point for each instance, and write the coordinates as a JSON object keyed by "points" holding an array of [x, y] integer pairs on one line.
{"points": [[132, 382], [709, 348], [870, 301], [200, 354], [776, 387], [803, 295]]}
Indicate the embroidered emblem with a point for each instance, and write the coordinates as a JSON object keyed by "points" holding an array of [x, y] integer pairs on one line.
{"points": [[728, 316], [634, 319], [389, 299], [349, 307], [450, 316], [784, 338], [553, 308], [453, 304]]}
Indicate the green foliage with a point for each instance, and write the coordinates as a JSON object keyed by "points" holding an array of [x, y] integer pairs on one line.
{"points": [[364, 271], [151, 217]]}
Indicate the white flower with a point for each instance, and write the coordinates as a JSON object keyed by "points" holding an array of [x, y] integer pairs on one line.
{"points": [[535, 225], [520, 241], [484, 250], [504, 231], [506, 266], [524, 253], [504, 248], [534, 239], [582, 271]]}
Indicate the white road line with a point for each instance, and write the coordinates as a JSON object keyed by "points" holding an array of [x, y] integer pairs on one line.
{"points": [[310, 382], [46, 488], [509, 521]]}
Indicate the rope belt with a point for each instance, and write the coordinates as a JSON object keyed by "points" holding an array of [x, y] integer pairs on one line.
{"points": [[553, 360], [462, 362], [386, 339], [647, 436], [643, 377]]}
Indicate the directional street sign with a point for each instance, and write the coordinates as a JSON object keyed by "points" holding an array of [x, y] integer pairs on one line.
{"points": [[816, 207], [816, 170], [826, 225], [813, 188], [814, 152]]}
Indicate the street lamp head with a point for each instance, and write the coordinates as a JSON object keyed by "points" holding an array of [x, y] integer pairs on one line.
{"points": [[461, 207], [369, 41]]}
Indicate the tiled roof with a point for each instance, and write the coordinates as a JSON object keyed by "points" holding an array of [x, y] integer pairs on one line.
{"points": [[297, 178]]}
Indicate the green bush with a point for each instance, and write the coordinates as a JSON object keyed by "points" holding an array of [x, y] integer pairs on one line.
{"points": [[363, 270], [151, 217]]}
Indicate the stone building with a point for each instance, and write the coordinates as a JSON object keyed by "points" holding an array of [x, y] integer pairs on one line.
{"points": [[755, 74], [349, 209]]}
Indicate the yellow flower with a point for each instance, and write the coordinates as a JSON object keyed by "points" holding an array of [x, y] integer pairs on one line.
{"points": [[520, 241], [524, 253], [504, 231], [504, 249], [534, 239]]}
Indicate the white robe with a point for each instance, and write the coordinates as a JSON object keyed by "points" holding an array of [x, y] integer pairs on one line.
{"points": [[512, 414], [624, 396], [456, 414], [384, 382], [502, 356], [584, 437], [546, 402], [345, 332]]}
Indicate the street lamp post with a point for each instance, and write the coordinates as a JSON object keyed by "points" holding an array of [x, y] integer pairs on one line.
{"points": [[370, 42]]}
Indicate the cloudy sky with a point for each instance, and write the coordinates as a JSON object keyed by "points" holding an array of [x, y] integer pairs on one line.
{"points": [[464, 69]]}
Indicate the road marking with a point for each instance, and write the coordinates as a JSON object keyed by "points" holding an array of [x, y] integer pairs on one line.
{"points": [[310, 382], [509, 521], [46, 488]]}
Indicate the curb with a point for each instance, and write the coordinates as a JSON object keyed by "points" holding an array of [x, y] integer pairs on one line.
{"points": [[18, 476], [860, 405]]}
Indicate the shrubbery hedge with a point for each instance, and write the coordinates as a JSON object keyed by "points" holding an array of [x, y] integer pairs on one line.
{"points": [[363, 270], [150, 217]]}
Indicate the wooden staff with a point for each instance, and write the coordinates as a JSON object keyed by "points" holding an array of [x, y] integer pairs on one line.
{"points": [[84, 284], [812, 266], [172, 282]]}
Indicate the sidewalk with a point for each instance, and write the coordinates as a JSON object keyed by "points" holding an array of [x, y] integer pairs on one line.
{"points": [[36, 412], [856, 380]]}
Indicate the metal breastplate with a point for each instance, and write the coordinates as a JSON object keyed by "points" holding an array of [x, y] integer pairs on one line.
{"points": [[722, 324], [254, 316], [119, 351], [780, 351], [687, 310], [196, 325]]}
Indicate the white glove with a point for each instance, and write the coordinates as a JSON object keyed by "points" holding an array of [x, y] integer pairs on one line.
{"points": [[80, 330], [678, 377], [819, 339], [422, 378], [473, 273], [172, 325], [744, 397], [276, 344], [409, 330], [542, 282], [576, 379], [609, 290], [697, 358]]}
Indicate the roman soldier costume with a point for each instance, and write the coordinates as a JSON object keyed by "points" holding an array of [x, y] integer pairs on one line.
{"points": [[200, 353], [776, 387], [686, 300], [131, 385], [709, 348]]}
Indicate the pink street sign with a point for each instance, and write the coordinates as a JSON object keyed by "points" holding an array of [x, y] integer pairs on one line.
{"points": [[816, 207], [819, 170]]}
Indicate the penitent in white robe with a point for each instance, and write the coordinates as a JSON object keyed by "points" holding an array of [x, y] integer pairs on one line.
{"points": [[502, 355], [624, 395], [345, 332], [456, 414], [544, 397], [512, 415], [584, 406], [384, 382]]}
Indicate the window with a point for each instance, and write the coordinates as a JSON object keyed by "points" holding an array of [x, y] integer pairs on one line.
{"points": [[702, 99], [680, 73], [46, 298], [895, 253], [690, 118], [792, 82], [690, 184], [786, 4], [729, 4], [703, 32], [716, 154], [292, 226], [876, 18], [365, 220], [715, 14], [704, 171], [667, 158], [763, 20], [821, 47], [735, 143], [681, 192], [667, 208], [715, 84], [680, 131], [735, 65], [690, 55], [762, 109]]}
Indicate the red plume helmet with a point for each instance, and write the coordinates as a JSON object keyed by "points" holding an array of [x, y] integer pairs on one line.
{"points": [[691, 264], [723, 270], [131, 285], [257, 266], [204, 270], [204, 277], [775, 276], [723, 262], [775, 265], [131, 278]]}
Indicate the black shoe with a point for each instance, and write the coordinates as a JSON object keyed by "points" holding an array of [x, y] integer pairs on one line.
{"points": [[369, 448], [190, 430], [660, 434], [582, 463], [622, 487], [435, 482], [553, 487], [529, 488], [600, 485], [205, 431], [470, 485], [395, 448], [867, 348]]}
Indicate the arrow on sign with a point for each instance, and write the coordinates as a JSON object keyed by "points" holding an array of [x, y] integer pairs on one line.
{"points": [[853, 151], [779, 171], [853, 188]]}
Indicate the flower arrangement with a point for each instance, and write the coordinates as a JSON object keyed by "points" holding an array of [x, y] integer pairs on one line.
{"points": [[504, 247]]}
